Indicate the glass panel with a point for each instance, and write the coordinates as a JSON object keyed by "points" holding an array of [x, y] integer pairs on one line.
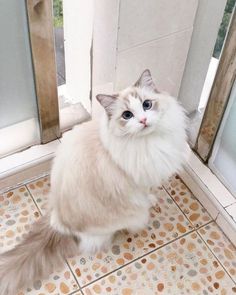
{"points": [[224, 154], [18, 107], [223, 28], [219, 95], [59, 41], [197, 115]]}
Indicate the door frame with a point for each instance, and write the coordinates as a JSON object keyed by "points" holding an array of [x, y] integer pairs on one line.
{"points": [[219, 95]]}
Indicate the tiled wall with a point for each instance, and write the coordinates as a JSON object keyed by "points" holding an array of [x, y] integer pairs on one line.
{"points": [[156, 35], [106, 14], [130, 36]]}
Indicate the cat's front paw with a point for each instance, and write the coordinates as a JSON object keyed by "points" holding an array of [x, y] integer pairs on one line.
{"points": [[152, 199]]}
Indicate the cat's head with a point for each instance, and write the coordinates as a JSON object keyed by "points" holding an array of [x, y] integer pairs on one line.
{"points": [[135, 111]]}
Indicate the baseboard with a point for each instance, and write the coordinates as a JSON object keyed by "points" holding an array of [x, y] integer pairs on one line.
{"points": [[212, 194], [27, 175]]}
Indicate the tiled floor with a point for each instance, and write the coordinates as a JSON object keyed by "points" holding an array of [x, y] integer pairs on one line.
{"points": [[182, 251]]}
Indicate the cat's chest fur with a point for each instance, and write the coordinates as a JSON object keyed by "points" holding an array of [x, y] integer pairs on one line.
{"points": [[148, 161]]}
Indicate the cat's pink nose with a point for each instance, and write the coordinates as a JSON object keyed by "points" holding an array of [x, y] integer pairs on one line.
{"points": [[143, 121]]}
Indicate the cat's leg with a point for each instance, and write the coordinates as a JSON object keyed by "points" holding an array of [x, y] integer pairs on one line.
{"points": [[56, 223], [92, 243], [152, 199], [153, 194], [139, 222]]}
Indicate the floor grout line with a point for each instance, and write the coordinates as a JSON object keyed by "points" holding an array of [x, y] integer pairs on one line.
{"points": [[213, 219], [216, 216], [34, 200], [230, 205], [197, 226], [146, 254], [216, 257], [74, 292], [24, 183], [41, 215], [205, 224], [138, 258], [191, 229], [67, 263], [195, 197], [180, 208], [65, 259]]}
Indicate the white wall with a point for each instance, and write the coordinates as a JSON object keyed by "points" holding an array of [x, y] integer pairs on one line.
{"points": [[105, 41], [175, 39], [78, 27], [106, 16], [154, 34], [208, 19], [130, 36]]}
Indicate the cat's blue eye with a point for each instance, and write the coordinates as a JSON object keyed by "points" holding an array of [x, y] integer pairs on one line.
{"points": [[127, 115], [147, 104]]}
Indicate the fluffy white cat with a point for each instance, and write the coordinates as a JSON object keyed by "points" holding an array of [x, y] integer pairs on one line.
{"points": [[101, 180]]}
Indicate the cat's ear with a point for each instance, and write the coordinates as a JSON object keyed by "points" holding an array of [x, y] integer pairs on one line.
{"points": [[107, 102], [145, 80]]}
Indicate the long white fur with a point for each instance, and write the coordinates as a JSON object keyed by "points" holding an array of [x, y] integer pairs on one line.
{"points": [[145, 159], [101, 180]]}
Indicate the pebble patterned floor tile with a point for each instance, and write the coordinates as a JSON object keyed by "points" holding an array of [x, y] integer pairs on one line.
{"points": [[60, 282], [167, 222], [187, 202], [17, 211], [39, 190], [220, 246], [185, 266]]}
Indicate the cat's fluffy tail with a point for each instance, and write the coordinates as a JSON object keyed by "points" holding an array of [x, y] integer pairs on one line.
{"points": [[40, 252]]}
